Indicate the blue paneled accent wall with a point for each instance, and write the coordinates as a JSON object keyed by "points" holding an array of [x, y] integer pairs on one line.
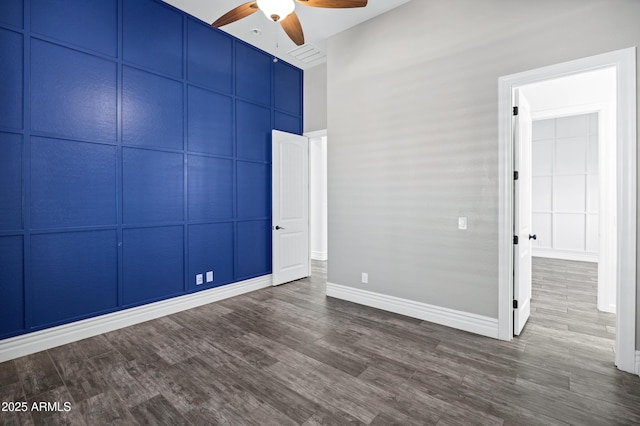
{"points": [[135, 153]]}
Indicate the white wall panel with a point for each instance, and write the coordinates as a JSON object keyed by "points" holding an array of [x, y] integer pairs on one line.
{"points": [[541, 223], [569, 232], [571, 154], [542, 155], [569, 193], [541, 195], [565, 180], [544, 129]]}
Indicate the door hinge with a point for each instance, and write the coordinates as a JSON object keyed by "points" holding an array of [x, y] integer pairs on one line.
{"points": [[515, 110], [515, 304], [515, 175], [515, 239]]}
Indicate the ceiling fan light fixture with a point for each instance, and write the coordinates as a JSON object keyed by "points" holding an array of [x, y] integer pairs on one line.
{"points": [[276, 10]]}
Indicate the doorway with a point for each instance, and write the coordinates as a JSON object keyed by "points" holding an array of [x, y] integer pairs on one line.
{"points": [[574, 173], [318, 194], [623, 62]]}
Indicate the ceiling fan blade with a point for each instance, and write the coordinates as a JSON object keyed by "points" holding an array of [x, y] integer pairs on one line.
{"points": [[334, 4], [238, 13], [291, 25]]}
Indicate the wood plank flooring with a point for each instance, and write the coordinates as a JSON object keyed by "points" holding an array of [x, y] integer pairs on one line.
{"points": [[291, 356]]}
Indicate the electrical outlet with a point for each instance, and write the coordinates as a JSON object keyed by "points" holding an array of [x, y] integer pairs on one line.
{"points": [[209, 276], [198, 279], [365, 278], [462, 222]]}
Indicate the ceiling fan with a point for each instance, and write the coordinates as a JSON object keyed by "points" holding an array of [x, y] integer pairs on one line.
{"points": [[283, 11]]}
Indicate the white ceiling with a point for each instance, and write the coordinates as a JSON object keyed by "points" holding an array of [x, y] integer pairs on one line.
{"points": [[318, 25]]}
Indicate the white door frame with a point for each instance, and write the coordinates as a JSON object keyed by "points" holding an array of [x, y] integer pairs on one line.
{"points": [[625, 63]]}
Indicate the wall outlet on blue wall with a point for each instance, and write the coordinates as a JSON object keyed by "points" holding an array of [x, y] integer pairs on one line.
{"points": [[198, 279]]}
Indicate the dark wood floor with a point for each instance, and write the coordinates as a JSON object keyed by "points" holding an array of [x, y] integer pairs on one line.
{"points": [[290, 356]]}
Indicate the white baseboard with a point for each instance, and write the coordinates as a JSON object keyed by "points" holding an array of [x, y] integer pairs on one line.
{"points": [[473, 323], [37, 341], [638, 363], [564, 254], [319, 255], [608, 308]]}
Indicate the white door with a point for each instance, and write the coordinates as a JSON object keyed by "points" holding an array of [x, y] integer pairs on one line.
{"points": [[522, 214], [290, 207]]}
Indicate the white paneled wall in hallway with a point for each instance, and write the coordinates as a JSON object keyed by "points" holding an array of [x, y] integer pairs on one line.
{"points": [[566, 187]]}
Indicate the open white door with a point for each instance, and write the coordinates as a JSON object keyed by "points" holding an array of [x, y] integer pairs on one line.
{"points": [[522, 213], [290, 206]]}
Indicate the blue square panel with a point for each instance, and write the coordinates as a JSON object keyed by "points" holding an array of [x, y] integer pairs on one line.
{"points": [[11, 285], [11, 12], [210, 188], [288, 123], [254, 248], [152, 36], [153, 189], [253, 132], [153, 263], [73, 275], [210, 123], [287, 88], [11, 79], [253, 74], [92, 24], [254, 190], [10, 181], [72, 94], [210, 249], [72, 183], [209, 57], [152, 112]]}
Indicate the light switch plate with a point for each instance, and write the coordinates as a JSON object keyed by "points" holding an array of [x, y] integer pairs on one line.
{"points": [[209, 276], [462, 222]]}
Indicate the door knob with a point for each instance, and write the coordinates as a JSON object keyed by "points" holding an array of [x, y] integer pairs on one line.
{"points": [[279, 228], [533, 237]]}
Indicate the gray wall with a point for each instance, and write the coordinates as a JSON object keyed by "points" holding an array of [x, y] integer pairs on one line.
{"points": [[412, 118], [315, 98]]}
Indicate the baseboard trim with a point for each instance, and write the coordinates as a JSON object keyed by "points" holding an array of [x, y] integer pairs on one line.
{"points": [[565, 255], [27, 344], [472, 323], [319, 255], [638, 363], [609, 309]]}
